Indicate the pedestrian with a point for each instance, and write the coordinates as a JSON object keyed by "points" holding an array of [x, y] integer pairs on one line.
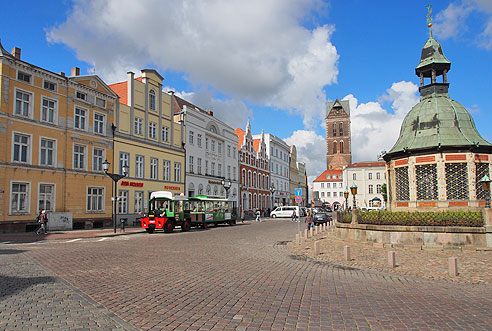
{"points": [[242, 215], [43, 222], [308, 220], [258, 215], [294, 216]]}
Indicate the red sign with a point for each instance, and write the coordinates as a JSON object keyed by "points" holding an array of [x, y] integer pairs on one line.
{"points": [[176, 188], [135, 184]]}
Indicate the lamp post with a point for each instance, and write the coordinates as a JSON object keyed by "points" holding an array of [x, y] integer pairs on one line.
{"points": [[115, 178], [346, 195], [227, 185], [353, 189], [486, 186], [272, 191]]}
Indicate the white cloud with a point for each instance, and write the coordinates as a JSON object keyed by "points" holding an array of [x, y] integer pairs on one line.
{"points": [[249, 50]]}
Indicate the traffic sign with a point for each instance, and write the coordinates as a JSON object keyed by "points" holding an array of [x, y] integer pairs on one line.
{"points": [[298, 192], [298, 199]]}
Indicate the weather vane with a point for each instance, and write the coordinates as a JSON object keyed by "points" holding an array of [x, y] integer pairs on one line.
{"points": [[429, 17]]}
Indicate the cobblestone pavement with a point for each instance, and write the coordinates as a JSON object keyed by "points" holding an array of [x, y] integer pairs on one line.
{"points": [[225, 278], [474, 266]]}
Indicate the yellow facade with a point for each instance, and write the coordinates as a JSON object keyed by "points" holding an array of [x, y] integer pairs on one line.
{"points": [[54, 132], [149, 140]]}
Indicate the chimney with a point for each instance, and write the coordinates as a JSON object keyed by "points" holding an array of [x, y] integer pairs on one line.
{"points": [[16, 52], [75, 71], [61, 73], [211, 113]]}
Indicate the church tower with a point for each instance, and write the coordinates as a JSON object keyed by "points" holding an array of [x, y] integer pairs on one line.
{"points": [[338, 148]]}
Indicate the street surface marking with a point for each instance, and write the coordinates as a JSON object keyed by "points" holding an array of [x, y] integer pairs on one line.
{"points": [[102, 239], [69, 241], [5, 242]]}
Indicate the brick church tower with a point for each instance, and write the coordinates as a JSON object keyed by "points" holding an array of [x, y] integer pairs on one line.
{"points": [[338, 149]]}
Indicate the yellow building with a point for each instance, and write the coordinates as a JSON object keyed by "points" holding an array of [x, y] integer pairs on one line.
{"points": [[55, 132], [149, 139]]}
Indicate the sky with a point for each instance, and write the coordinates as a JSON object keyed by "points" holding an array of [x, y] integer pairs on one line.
{"points": [[274, 62]]}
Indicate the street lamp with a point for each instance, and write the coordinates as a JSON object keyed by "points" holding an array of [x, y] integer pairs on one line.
{"points": [[227, 185], [486, 186], [272, 191], [353, 189], [115, 178], [346, 195]]}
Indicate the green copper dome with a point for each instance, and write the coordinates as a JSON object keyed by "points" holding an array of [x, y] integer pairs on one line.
{"points": [[436, 123]]}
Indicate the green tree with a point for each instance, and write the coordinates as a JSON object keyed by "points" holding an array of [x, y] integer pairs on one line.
{"points": [[384, 193]]}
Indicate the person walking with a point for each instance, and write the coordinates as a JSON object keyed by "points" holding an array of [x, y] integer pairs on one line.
{"points": [[242, 215], [294, 216], [258, 215], [309, 220], [43, 222]]}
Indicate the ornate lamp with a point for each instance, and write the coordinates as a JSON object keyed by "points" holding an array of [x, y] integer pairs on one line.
{"points": [[346, 195], [353, 189], [227, 185]]}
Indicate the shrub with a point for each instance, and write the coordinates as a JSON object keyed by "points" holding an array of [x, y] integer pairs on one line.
{"points": [[444, 218]]}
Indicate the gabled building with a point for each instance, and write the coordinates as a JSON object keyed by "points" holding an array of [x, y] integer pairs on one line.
{"points": [[328, 189], [338, 140]]}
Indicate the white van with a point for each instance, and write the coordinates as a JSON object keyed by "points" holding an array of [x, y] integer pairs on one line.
{"points": [[285, 211]]}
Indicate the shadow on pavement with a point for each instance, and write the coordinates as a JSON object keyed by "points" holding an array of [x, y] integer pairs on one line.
{"points": [[10, 251], [12, 285]]}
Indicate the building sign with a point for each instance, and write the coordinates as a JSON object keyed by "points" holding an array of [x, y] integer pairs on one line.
{"points": [[135, 184], [214, 182], [175, 188]]}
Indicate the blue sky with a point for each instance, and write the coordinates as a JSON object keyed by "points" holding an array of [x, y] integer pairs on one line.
{"points": [[276, 62]]}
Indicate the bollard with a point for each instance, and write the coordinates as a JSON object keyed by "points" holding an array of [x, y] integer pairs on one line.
{"points": [[311, 232], [298, 239], [453, 266], [391, 259], [346, 251], [305, 233], [316, 248], [316, 229]]}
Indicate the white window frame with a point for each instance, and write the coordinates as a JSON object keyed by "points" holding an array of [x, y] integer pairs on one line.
{"points": [[138, 126], [138, 201], [103, 124], [152, 100], [85, 157], [50, 82], [199, 140], [154, 168], [55, 110], [123, 201], [89, 196], [31, 103], [103, 157], [29, 147], [123, 159], [191, 135], [165, 133], [199, 166], [53, 196], [191, 164], [86, 117], [28, 198], [30, 82], [139, 166], [166, 170], [153, 130], [81, 95], [41, 138], [177, 172]]}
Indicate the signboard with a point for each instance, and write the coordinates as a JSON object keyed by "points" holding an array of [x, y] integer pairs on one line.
{"points": [[298, 199], [60, 221], [135, 184], [228, 216], [209, 217], [298, 192]]}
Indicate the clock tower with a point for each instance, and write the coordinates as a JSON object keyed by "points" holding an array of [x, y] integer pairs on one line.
{"points": [[338, 149]]}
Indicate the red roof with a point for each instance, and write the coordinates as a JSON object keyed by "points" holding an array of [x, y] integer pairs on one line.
{"points": [[256, 145], [331, 172], [240, 133], [367, 164], [121, 90]]}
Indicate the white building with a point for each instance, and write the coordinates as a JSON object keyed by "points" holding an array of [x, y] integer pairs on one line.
{"points": [[211, 152], [278, 153], [369, 178], [328, 188]]}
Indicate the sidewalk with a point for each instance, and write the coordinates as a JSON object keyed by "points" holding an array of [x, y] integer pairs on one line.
{"points": [[25, 237]]}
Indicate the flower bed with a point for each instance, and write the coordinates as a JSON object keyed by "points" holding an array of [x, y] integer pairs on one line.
{"points": [[445, 218], [344, 217]]}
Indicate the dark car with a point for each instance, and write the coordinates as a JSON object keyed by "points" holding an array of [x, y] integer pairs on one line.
{"points": [[321, 218]]}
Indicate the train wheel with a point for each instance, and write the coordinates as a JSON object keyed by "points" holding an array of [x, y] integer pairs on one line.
{"points": [[169, 226], [149, 230], [185, 226]]}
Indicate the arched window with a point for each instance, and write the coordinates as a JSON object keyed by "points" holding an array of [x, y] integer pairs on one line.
{"points": [[216, 190], [243, 180], [249, 178], [334, 147], [254, 179], [341, 146], [222, 192], [200, 189], [340, 128], [334, 129], [209, 190], [152, 99]]}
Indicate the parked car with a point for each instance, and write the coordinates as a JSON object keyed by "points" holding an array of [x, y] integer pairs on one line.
{"points": [[285, 211], [321, 218], [328, 209]]}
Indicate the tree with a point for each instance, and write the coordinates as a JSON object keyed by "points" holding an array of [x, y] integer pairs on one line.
{"points": [[384, 192]]}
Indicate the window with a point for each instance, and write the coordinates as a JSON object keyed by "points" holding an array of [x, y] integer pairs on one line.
{"points": [[190, 138], [78, 157], [49, 86], [48, 110], [328, 185], [165, 134], [81, 96], [138, 202], [206, 143], [95, 199], [370, 175], [19, 202], [154, 165], [100, 102], [234, 152], [213, 145], [334, 194], [166, 170], [177, 172], [152, 100], [371, 189], [334, 147], [47, 152], [21, 152], [22, 76], [378, 189], [328, 176], [124, 160], [322, 194], [328, 194], [199, 166], [229, 172], [98, 123], [229, 150], [340, 185], [322, 185], [341, 146], [219, 170], [190, 164], [23, 103], [206, 167], [138, 125], [139, 166], [97, 159], [46, 198], [80, 119], [199, 140], [219, 148], [213, 169], [354, 176], [340, 129], [152, 130], [334, 129], [378, 175], [123, 202]]}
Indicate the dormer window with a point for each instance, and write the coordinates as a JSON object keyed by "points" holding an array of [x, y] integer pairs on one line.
{"points": [[152, 100], [22, 76], [81, 96], [328, 176], [49, 86]]}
